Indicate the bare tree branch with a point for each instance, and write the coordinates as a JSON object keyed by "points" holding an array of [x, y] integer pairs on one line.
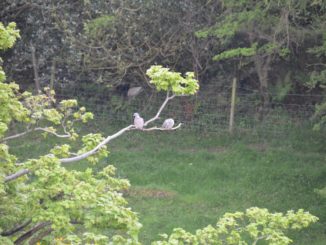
{"points": [[15, 136], [120, 132], [161, 109], [162, 129], [67, 135]]}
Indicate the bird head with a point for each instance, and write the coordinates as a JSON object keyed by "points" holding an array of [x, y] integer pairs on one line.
{"points": [[136, 114]]}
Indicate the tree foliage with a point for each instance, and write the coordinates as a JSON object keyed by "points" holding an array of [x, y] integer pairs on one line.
{"points": [[247, 227], [318, 81], [266, 35], [112, 43], [165, 80], [52, 198], [8, 35]]}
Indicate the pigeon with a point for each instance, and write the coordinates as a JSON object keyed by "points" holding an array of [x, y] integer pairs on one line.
{"points": [[138, 121], [133, 92], [168, 123]]}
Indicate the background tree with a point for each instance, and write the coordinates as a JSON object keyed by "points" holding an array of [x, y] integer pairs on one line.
{"points": [[317, 81], [267, 35], [111, 44], [106, 42]]}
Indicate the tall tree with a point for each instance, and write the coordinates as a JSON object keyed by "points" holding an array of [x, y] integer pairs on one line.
{"points": [[108, 42], [264, 34]]}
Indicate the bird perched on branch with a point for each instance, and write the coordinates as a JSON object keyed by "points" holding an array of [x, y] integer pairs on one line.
{"points": [[168, 123], [138, 121]]}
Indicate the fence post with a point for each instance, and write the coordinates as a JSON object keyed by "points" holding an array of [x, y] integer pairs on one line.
{"points": [[234, 88]]}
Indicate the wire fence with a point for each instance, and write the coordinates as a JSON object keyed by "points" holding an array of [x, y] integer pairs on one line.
{"points": [[208, 111]]}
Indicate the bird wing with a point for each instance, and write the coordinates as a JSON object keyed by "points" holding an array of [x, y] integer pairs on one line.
{"points": [[139, 122], [168, 123], [165, 124]]}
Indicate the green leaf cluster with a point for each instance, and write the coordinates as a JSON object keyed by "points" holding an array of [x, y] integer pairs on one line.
{"points": [[166, 80], [95, 28], [231, 23], [11, 107], [65, 197], [8, 35], [247, 227], [236, 53], [90, 141]]}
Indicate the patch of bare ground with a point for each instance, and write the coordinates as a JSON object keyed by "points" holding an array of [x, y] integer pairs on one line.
{"points": [[258, 146], [149, 193], [218, 149]]}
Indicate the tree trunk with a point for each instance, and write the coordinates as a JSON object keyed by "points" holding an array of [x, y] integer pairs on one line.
{"points": [[262, 66], [35, 68]]}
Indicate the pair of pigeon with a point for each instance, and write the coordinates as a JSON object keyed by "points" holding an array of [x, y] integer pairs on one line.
{"points": [[139, 122]]}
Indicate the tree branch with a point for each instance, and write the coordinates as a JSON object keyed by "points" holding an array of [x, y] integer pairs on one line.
{"points": [[94, 150], [31, 232], [162, 129], [161, 109], [15, 136], [120, 132], [40, 236], [16, 228], [16, 175], [105, 141], [259, 238], [67, 135]]}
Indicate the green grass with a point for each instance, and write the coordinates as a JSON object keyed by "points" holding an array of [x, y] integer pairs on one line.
{"points": [[212, 174], [187, 179]]}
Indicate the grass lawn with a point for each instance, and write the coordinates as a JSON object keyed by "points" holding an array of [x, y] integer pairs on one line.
{"points": [[187, 179]]}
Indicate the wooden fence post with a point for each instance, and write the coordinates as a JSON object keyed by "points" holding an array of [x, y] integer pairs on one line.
{"points": [[234, 88]]}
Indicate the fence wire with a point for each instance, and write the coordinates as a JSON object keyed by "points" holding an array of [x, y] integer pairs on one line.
{"points": [[208, 111]]}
